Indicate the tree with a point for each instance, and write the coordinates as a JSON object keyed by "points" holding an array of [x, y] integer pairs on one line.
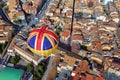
{"points": [[36, 78], [105, 11], [12, 60], [83, 47], [29, 67], [7, 10], [40, 68], [57, 32], [37, 75], [3, 46], [43, 64], [17, 58], [17, 21], [2, 5]]}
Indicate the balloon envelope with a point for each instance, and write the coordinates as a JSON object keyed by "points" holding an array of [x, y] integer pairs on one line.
{"points": [[42, 41]]}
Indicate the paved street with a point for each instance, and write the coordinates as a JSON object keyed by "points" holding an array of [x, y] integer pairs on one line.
{"points": [[35, 19]]}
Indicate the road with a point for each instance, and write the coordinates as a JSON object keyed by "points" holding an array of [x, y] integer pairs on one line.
{"points": [[24, 28], [35, 19], [5, 18], [26, 15]]}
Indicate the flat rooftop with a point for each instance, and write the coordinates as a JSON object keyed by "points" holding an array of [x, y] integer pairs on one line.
{"points": [[10, 74]]}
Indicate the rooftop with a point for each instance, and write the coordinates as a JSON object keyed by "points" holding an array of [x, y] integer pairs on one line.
{"points": [[77, 37], [66, 33], [69, 60]]}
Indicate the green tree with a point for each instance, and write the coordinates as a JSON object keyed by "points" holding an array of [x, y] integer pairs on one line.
{"points": [[12, 60], [17, 58], [37, 75], [105, 11], [17, 21], [57, 32], [43, 64], [29, 67], [3, 46], [36, 78], [0, 48], [40, 68], [7, 10], [2, 5]]}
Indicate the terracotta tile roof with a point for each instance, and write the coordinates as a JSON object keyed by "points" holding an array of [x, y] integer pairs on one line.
{"points": [[83, 66], [110, 24], [65, 33], [112, 63], [96, 44], [77, 76], [92, 77], [83, 78], [20, 13], [69, 60], [1, 28], [69, 13], [77, 37], [75, 47], [80, 72]]}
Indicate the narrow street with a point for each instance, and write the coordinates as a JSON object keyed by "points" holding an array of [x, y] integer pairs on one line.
{"points": [[35, 19]]}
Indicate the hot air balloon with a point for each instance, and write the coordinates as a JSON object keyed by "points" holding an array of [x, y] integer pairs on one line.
{"points": [[42, 41]]}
